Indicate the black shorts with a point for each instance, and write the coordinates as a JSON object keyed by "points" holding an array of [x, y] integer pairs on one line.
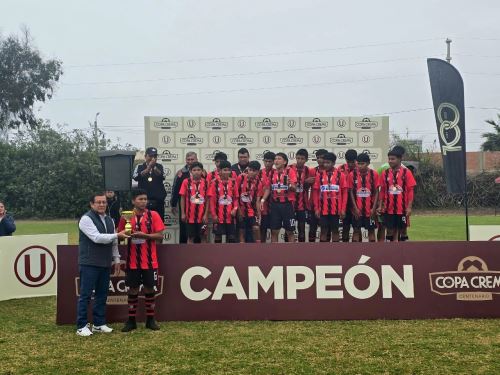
{"points": [[282, 216], [148, 278], [195, 230], [225, 229], [395, 221], [301, 216], [312, 220], [348, 220], [247, 222], [329, 222], [364, 222], [265, 222]]}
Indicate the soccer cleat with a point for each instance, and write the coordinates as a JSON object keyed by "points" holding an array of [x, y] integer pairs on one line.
{"points": [[129, 326], [84, 331], [102, 329], [151, 324]]}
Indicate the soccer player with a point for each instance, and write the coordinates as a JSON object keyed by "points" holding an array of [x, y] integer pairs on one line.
{"points": [[347, 168], [396, 194], [363, 189], [249, 187], [142, 261], [194, 204], [280, 189], [313, 220], [330, 198], [305, 179], [380, 216], [224, 203], [218, 158], [265, 219]]}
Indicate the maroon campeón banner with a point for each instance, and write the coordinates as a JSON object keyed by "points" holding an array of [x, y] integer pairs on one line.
{"points": [[302, 281]]}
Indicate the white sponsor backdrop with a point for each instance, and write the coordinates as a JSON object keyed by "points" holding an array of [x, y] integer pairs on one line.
{"points": [[28, 265], [175, 136], [484, 232]]}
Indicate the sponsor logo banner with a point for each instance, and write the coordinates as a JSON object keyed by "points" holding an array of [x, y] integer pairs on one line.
{"points": [[484, 232], [28, 265], [310, 281]]}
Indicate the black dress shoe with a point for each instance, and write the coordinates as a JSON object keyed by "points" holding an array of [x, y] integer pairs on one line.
{"points": [[129, 326], [151, 324]]}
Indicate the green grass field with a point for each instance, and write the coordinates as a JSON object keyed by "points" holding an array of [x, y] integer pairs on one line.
{"points": [[31, 343]]}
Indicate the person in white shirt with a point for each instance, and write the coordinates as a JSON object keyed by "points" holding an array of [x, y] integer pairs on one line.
{"points": [[98, 251]]}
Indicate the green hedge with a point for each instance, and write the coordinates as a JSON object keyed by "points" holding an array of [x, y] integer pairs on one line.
{"points": [[431, 189], [48, 173]]}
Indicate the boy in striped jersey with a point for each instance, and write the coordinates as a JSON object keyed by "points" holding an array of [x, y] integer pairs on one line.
{"points": [[194, 204], [280, 188], [265, 217], [249, 188], [142, 260], [305, 179], [330, 198], [224, 203], [396, 194], [363, 185], [219, 157], [350, 165], [313, 220]]}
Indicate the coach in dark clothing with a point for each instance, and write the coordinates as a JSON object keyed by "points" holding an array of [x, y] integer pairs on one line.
{"points": [[97, 251], [243, 160], [150, 177], [7, 225], [180, 176]]}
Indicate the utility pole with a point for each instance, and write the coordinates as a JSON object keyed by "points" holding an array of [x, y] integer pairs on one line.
{"points": [[448, 50], [96, 132]]}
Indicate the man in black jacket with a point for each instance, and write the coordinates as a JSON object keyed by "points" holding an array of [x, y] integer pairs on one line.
{"points": [[180, 176], [150, 177], [7, 225]]}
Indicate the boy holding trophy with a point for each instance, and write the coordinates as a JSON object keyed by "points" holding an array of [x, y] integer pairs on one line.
{"points": [[142, 262]]}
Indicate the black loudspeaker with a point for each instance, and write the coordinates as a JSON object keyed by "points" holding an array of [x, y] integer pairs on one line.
{"points": [[117, 169]]}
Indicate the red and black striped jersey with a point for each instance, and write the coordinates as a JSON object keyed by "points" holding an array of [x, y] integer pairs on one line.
{"points": [[263, 176], [364, 188], [279, 182], [330, 192], [223, 199], [248, 190], [196, 199], [216, 175], [302, 192], [142, 252], [317, 170], [344, 168], [396, 188]]}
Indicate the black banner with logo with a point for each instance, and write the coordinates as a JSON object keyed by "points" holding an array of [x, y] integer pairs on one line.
{"points": [[448, 97]]}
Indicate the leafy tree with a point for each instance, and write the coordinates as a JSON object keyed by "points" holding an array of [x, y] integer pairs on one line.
{"points": [[25, 78], [492, 142], [50, 173]]}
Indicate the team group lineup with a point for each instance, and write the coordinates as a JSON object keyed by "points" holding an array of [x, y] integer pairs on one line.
{"points": [[245, 200]]}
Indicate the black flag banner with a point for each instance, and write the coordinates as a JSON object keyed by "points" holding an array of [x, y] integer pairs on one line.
{"points": [[447, 89]]}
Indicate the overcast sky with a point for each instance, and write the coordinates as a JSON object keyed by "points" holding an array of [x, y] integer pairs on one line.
{"points": [[129, 59]]}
